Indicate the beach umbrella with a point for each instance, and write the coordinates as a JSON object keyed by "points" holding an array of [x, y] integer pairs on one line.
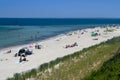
{"points": [[21, 51], [94, 34], [31, 46]]}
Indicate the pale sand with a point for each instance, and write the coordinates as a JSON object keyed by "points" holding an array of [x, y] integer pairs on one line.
{"points": [[52, 49]]}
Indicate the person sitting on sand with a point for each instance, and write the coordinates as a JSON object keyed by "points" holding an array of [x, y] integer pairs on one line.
{"points": [[24, 59], [73, 45], [16, 54], [9, 51], [37, 46], [67, 46]]}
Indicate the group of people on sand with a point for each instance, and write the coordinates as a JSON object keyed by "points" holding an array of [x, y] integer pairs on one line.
{"points": [[22, 56], [72, 45], [23, 53], [37, 46]]}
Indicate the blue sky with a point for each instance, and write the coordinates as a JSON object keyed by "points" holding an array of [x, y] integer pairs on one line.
{"points": [[60, 8]]}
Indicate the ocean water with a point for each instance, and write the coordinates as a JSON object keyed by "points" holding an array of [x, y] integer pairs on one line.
{"points": [[16, 31]]}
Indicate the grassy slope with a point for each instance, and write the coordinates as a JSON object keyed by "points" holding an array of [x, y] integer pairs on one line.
{"points": [[82, 65], [76, 66], [109, 71]]}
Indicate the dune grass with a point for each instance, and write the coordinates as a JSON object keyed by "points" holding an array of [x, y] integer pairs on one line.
{"points": [[109, 71], [76, 66]]}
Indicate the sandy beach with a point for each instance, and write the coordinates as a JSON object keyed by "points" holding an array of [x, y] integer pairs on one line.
{"points": [[52, 48]]}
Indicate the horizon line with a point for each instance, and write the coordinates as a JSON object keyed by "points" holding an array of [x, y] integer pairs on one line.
{"points": [[60, 18]]}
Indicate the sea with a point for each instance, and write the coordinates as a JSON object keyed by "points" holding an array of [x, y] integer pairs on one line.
{"points": [[17, 31]]}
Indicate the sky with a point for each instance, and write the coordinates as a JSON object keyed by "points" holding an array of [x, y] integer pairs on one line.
{"points": [[60, 8]]}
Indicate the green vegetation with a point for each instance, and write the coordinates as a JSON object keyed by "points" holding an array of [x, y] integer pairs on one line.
{"points": [[76, 66], [109, 71]]}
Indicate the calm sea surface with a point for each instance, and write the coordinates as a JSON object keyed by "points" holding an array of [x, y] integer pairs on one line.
{"points": [[15, 31]]}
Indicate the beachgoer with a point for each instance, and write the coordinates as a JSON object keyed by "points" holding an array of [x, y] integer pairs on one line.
{"points": [[75, 44], [16, 55], [36, 46], [39, 47], [20, 60], [24, 59], [9, 51]]}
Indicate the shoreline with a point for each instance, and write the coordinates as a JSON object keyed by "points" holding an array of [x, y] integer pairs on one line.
{"points": [[31, 42], [38, 41], [53, 48]]}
